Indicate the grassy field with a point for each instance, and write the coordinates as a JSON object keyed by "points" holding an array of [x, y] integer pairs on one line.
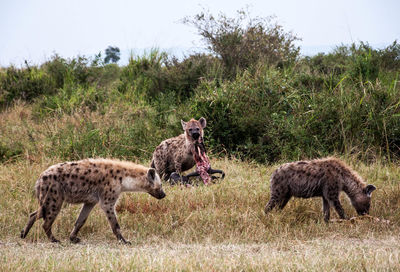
{"points": [[219, 227]]}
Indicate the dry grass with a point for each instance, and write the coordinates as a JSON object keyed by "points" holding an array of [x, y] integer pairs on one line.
{"points": [[219, 227], [315, 254]]}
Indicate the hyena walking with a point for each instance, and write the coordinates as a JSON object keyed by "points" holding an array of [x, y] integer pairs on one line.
{"points": [[90, 181], [325, 178]]}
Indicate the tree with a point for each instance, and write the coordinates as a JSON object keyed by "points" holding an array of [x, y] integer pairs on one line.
{"points": [[243, 41], [112, 54]]}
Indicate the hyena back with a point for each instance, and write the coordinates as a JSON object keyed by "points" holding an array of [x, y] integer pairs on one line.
{"points": [[175, 154], [89, 182], [324, 178]]}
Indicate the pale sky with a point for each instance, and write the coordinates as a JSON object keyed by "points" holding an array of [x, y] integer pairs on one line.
{"points": [[35, 29]]}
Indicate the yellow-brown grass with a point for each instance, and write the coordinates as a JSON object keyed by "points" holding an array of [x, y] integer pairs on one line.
{"points": [[217, 227]]}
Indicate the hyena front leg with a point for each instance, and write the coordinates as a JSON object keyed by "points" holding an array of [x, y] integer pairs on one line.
{"points": [[86, 209], [339, 208], [108, 208], [326, 209], [333, 199]]}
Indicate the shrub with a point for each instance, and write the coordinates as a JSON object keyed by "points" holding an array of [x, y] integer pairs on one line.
{"points": [[25, 84], [243, 41]]}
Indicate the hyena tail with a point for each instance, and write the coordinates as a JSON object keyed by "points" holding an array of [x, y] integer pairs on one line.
{"points": [[39, 213], [153, 165]]}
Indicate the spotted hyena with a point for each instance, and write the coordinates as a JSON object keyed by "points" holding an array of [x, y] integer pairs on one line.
{"points": [[90, 181], [325, 178], [175, 154]]}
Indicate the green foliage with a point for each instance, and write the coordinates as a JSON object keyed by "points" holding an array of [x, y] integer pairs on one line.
{"points": [[261, 100], [24, 84], [244, 40], [8, 153]]}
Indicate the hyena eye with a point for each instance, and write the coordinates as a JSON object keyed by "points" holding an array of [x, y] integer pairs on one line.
{"points": [[190, 129]]}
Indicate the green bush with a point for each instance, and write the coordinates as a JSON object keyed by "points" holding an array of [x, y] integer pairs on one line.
{"points": [[25, 84], [8, 153], [244, 40]]}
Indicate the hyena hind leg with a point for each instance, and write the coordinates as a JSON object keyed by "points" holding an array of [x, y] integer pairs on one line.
{"points": [[32, 219], [280, 202], [80, 221]]}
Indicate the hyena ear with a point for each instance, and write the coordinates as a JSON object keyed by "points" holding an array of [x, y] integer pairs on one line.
{"points": [[369, 189], [203, 122], [151, 175], [183, 124]]}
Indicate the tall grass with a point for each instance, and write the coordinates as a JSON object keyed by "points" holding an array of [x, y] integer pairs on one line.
{"points": [[347, 101], [195, 228]]}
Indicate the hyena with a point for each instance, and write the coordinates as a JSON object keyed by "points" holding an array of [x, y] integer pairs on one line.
{"points": [[175, 154], [90, 181], [324, 178]]}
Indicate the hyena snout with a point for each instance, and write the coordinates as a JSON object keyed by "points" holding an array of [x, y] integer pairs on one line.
{"points": [[159, 194], [195, 133]]}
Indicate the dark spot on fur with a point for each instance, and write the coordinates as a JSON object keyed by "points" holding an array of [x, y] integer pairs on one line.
{"points": [[118, 171], [96, 171], [120, 179], [82, 177], [74, 176], [77, 169], [74, 164], [44, 178], [67, 175]]}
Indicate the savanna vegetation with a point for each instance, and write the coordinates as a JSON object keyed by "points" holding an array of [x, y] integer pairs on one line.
{"points": [[264, 104]]}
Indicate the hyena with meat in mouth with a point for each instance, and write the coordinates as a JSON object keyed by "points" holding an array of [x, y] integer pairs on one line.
{"points": [[90, 181]]}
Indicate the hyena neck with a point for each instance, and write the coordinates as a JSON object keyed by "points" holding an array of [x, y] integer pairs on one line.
{"points": [[188, 143], [352, 188], [132, 184]]}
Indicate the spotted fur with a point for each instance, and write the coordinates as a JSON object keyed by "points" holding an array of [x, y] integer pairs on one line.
{"points": [[324, 178], [90, 181], [175, 154]]}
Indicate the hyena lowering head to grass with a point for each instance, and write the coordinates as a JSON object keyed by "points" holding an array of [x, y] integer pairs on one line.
{"points": [[90, 181], [175, 154], [325, 178]]}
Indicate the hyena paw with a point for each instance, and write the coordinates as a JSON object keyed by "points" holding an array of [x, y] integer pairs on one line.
{"points": [[74, 240], [125, 242], [54, 240], [22, 234]]}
